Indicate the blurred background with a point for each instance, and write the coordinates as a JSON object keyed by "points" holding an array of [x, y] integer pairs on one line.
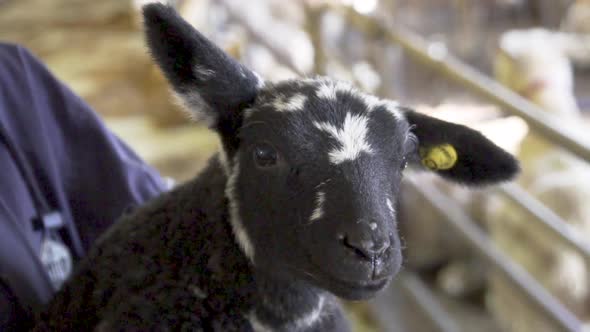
{"points": [[511, 258]]}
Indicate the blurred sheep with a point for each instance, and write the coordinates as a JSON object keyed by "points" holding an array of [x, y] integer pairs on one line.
{"points": [[534, 63]]}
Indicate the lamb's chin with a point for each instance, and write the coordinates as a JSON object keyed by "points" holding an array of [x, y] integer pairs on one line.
{"points": [[361, 290], [347, 289]]}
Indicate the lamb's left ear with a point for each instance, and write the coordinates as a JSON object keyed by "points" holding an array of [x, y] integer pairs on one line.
{"points": [[211, 83], [459, 153]]}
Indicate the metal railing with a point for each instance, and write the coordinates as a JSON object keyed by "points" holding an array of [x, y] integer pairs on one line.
{"points": [[542, 122], [449, 66], [427, 302], [548, 220], [466, 228]]}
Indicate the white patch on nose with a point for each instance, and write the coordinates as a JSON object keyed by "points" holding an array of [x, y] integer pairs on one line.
{"points": [[234, 213], [390, 207], [352, 138], [318, 212], [295, 103], [202, 72]]}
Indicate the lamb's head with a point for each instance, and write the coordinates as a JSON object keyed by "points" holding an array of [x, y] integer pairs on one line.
{"points": [[314, 166]]}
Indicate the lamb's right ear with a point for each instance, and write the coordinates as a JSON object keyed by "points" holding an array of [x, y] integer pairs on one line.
{"points": [[210, 83]]}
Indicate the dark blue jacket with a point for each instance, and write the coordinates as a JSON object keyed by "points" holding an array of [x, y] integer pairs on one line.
{"points": [[55, 156]]}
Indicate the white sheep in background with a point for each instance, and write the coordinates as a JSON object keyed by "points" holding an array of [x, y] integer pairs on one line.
{"points": [[535, 64], [299, 207]]}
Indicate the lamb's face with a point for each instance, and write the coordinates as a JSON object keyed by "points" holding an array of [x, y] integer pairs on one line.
{"points": [[313, 166], [314, 182]]}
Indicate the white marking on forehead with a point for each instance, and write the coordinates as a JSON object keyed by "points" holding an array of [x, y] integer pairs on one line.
{"points": [[371, 101], [390, 106], [203, 72], [390, 206], [234, 213], [295, 103], [328, 89], [318, 212], [352, 138], [373, 226]]}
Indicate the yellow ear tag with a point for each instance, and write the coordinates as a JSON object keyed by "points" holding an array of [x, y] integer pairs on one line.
{"points": [[440, 157]]}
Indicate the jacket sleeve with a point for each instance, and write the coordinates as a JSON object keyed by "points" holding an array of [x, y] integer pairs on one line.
{"points": [[12, 315], [83, 169]]}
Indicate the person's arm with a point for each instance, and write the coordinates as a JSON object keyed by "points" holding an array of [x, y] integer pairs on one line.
{"points": [[76, 165], [83, 167]]}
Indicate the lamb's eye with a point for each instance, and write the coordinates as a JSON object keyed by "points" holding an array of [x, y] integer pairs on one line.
{"points": [[265, 155]]}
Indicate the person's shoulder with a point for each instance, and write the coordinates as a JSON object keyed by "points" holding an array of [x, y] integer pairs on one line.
{"points": [[7, 48], [14, 55]]}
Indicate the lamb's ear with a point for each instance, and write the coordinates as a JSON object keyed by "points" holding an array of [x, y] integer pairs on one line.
{"points": [[459, 153], [209, 81]]}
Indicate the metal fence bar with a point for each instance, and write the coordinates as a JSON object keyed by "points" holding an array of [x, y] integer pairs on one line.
{"points": [[547, 219], [543, 122], [547, 124], [533, 292], [427, 302]]}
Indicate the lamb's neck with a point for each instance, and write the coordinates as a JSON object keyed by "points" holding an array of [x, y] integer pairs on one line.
{"points": [[201, 211], [286, 304], [199, 231]]}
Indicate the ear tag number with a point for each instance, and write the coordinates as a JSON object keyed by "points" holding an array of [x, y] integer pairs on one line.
{"points": [[440, 157]]}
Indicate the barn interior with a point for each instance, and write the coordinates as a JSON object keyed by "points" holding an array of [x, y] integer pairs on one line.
{"points": [[514, 257]]}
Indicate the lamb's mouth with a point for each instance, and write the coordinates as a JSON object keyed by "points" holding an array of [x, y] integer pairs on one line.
{"points": [[357, 289], [361, 285]]}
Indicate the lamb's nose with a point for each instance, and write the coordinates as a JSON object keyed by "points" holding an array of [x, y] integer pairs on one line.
{"points": [[366, 248]]}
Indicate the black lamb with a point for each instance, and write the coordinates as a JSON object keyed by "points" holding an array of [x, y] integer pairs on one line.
{"points": [[298, 207]]}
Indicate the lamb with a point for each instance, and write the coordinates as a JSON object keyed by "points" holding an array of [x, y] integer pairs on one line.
{"points": [[297, 209]]}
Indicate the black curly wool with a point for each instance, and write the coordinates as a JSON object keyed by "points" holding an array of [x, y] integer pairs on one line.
{"points": [[173, 262], [172, 265]]}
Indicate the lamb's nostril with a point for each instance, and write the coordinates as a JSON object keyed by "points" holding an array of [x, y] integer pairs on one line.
{"points": [[366, 248]]}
